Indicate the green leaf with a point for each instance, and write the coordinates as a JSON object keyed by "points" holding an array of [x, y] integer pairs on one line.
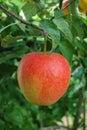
{"points": [[77, 29], [85, 40], [81, 45], [2, 123], [63, 26], [18, 3], [15, 117], [52, 30], [58, 13], [67, 50], [84, 60], [14, 53], [1, 30], [9, 40], [30, 10], [83, 18], [5, 67]]}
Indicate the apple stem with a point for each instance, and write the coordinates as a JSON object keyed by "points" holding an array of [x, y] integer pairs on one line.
{"points": [[45, 41]]}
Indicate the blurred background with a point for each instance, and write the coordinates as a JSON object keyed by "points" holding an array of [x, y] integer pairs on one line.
{"points": [[67, 34]]}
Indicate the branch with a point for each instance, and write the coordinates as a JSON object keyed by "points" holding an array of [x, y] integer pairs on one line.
{"points": [[84, 113], [60, 4], [79, 107], [20, 19]]}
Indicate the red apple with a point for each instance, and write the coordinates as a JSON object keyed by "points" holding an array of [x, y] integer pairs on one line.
{"points": [[43, 78], [65, 7]]}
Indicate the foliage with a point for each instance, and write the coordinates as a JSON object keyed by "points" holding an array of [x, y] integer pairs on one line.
{"points": [[67, 34]]}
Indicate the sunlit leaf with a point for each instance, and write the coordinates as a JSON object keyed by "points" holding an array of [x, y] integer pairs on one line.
{"points": [[52, 30], [63, 26], [9, 40]]}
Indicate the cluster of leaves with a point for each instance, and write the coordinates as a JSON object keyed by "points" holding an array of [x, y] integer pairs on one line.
{"points": [[67, 34]]}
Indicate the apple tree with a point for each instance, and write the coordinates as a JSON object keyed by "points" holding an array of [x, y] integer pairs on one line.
{"points": [[36, 26]]}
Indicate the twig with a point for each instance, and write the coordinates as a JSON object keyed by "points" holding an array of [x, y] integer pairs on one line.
{"points": [[79, 106], [60, 4], [84, 114], [20, 19]]}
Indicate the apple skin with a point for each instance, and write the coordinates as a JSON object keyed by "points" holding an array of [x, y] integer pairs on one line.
{"points": [[83, 4], [65, 8], [43, 78]]}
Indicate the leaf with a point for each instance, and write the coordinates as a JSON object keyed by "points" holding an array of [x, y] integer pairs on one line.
{"points": [[18, 3], [15, 117], [67, 50], [83, 18], [84, 60], [29, 10], [9, 40], [80, 45], [85, 40], [6, 69], [77, 29], [14, 53], [52, 30], [58, 13], [2, 123], [63, 26], [1, 30]]}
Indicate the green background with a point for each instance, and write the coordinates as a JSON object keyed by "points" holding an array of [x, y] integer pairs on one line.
{"points": [[67, 34]]}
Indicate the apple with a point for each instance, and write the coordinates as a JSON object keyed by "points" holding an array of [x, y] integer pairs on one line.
{"points": [[43, 78], [83, 4], [82, 11], [65, 7]]}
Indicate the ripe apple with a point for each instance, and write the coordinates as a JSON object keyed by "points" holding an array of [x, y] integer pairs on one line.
{"points": [[82, 6], [65, 7], [82, 11], [43, 78]]}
